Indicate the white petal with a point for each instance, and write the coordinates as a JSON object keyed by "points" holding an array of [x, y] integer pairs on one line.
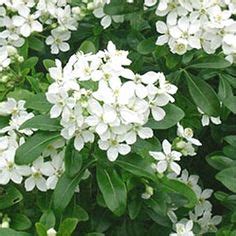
{"points": [[158, 113], [124, 149], [29, 184], [145, 132], [106, 22], [41, 184], [175, 167], [78, 143], [158, 155], [112, 153], [166, 147], [161, 166]]}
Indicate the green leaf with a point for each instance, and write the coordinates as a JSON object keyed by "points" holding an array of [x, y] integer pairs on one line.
{"points": [[73, 160], [137, 166], [146, 46], [36, 44], [67, 227], [9, 196], [48, 219], [95, 234], [87, 47], [120, 7], [134, 208], [39, 103], [34, 83], [211, 62], [64, 191], [23, 50], [42, 122], [171, 185], [29, 63], [203, 96], [113, 190], [20, 94], [4, 121], [230, 102], [33, 147], [225, 89], [228, 178], [77, 212], [40, 229], [173, 115], [142, 147], [11, 232], [231, 139], [220, 162], [48, 63], [20, 222]]}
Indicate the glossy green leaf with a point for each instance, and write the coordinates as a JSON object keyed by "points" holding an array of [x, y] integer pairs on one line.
{"points": [[20, 222], [203, 96], [137, 166], [73, 160], [39, 103], [33, 147], [214, 62], [87, 47], [113, 190], [48, 63], [42, 122], [67, 227], [146, 46], [172, 185], [173, 115], [9, 196], [11, 232], [231, 139], [48, 219], [228, 178]]}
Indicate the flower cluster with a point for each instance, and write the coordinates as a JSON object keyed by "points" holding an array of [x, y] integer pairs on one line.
{"points": [[202, 213], [183, 145], [13, 137], [98, 10], [197, 24], [118, 107], [27, 17]]}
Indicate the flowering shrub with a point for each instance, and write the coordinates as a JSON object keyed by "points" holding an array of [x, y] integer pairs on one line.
{"points": [[117, 117]]}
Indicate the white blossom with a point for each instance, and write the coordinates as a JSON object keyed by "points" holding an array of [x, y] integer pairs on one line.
{"points": [[206, 119], [183, 229], [167, 159]]}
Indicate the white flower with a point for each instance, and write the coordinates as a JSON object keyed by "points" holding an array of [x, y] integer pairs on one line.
{"points": [[183, 229], [65, 18], [101, 116], [114, 147], [27, 22], [39, 169], [56, 40], [60, 99], [206, 119], [52, 149], [190, 180], [187, 133], [4, 59], [9, 170], [208, 222], [58, 167], [167, 158], [203, 203]]}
